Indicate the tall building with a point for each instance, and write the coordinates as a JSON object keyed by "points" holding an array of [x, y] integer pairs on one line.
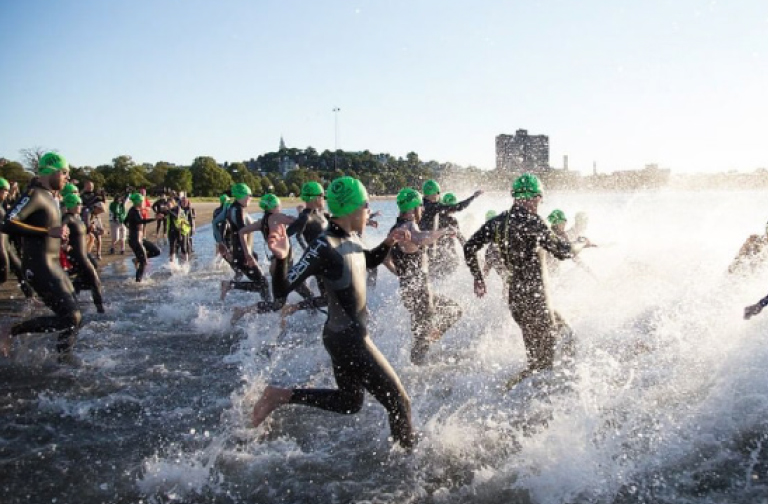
{"points": [[522, 152]]}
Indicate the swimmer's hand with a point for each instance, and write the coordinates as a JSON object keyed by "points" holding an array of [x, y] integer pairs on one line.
{"points": [[398, 235], [278, 242], [59, 232], [752, 310], [478, 193]]}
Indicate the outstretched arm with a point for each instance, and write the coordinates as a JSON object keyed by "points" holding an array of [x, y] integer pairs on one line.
{"points": [[477, 241], [752, 310]]}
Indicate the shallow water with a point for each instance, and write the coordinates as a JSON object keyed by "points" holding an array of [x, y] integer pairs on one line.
{"points": [[667, 401]]}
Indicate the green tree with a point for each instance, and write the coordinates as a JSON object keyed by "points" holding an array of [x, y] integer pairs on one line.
{"points": [[15, 172], [208, 179], [157, 175], [179, 179], [281, 189]]}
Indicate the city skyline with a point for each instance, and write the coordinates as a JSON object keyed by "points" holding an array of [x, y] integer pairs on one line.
{"points": [[680, 85]]}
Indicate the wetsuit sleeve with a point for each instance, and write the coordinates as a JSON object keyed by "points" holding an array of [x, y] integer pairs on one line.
{"points": [[135, 219], [477, 241], [14, 221], [554, 244], [458, 207], [298, 225], [313, 262], [216, 226], [376, 256]]}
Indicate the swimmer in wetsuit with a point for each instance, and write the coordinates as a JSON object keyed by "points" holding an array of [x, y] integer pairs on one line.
{"points": [[338, 256], [430, 219], [446, 259], [312, 222], [83, 273], [272, 217], [9, 257], [142, 249], [237, 218], [431, 315], [36, 216], [522, 238]]}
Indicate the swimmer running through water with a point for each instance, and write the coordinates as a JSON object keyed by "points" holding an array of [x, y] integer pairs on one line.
{"points": [[339, 258], [37, 218]]}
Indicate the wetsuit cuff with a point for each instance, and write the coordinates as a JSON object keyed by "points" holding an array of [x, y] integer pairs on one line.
{"points": [[763, 302]]}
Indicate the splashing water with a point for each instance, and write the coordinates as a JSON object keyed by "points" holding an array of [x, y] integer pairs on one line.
{"points": [[666, 401]]}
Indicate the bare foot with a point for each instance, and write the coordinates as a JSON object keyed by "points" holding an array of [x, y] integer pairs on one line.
{"points": [[270, 400], [224, 289]]}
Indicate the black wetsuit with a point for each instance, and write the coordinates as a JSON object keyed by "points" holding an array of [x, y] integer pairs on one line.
{"points": [[358, 365], [293, 229], [520, 236], [10, 260], [161, 207], [428, 311], [34, 214], [446, 258], [238, 218], [430, 221], [83, 273], [315, 225], [177, 240], [142, 249]]}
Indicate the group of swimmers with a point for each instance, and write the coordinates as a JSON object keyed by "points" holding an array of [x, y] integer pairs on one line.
{"points": [[47, 234], [417, 248]]}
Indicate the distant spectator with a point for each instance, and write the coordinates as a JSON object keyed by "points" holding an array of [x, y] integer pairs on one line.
{"points": [[117, 214]]}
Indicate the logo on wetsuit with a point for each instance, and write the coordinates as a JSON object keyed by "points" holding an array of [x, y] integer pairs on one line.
{"points": [[19, 206], [301, 266]]}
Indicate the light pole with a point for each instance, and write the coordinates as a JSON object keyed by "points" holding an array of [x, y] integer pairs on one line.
{"points": [[336, 111]]}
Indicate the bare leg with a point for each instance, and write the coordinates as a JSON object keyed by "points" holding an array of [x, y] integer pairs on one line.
{"points": [[5, 341], [224, 289], [271, 399]]}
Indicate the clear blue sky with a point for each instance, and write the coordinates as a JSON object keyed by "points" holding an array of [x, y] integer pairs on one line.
{"points": [[682, 83]]}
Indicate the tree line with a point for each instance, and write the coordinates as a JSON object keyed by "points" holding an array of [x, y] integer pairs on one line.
{"points": [[282, 172]]}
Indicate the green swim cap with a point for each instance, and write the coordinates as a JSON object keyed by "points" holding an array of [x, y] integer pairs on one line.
{"points": [[407, 199], [51, 163], [449, 199], [345, 195], [430, 188], [490, 214], [269, 202], [223, 199], [136, 198], [72, 200], [556, 217], [527, 186], [70, 188], [311, 190], [4, 184], [240, 191]]}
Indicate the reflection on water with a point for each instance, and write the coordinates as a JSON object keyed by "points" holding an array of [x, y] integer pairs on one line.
{"points": [[666, 403]]}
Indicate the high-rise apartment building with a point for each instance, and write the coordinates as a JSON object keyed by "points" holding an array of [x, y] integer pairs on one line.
{"points": [[522, 152]]}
